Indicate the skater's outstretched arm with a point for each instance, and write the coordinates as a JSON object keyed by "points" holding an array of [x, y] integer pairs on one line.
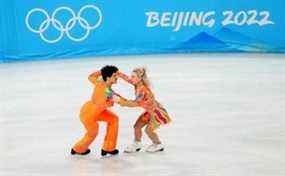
{"points": [[125, 77], [94, 77], [129, 103], [117, 98], [110, 97], [133, 103]]}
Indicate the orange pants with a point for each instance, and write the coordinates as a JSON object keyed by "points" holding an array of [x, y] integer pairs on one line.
{"points": [[91, 126]]}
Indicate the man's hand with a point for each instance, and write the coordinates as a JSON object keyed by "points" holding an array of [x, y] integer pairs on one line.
{"points": [[123, 102], [93, 77], [116, 98]]}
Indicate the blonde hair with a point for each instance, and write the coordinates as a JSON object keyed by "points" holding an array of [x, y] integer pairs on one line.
{"points": [[141, 73]]}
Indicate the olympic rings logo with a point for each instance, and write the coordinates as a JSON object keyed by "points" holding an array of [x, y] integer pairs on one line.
{"points": [[64, 29]]}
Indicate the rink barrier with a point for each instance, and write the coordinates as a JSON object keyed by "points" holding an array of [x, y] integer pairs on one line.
{"points": [[68, 29]]}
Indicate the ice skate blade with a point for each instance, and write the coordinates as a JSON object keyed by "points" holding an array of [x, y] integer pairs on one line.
{"points": [[108, 156], [137, 150], [160, 150]]}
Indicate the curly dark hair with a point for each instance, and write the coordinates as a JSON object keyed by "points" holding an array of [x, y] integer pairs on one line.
{"points": [[108, 71]]}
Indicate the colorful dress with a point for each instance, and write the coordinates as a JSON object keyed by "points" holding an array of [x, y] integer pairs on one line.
{"points": [[155, 113]]}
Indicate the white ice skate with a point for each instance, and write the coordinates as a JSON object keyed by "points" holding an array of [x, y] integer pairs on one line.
{"points": [[155, 148], [134, 147]]}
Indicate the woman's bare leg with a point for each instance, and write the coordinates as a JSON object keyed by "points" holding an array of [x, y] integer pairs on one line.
{"points": [[140, 123], [152, 135]]}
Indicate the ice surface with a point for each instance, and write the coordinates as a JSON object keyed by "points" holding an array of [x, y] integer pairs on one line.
{"points": [[228, 117]]}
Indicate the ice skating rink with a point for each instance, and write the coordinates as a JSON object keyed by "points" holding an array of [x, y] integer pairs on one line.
{"points": [[228, 116]]}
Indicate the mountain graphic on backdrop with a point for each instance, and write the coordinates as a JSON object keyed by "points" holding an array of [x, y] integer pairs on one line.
{"points": [[203, 42], [240, 41], [226, 40]]}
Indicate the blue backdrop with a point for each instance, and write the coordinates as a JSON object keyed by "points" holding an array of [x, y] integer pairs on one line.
{"points": [[67, 28]]}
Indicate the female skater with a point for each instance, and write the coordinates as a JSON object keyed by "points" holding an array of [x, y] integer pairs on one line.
{"points": [[153, 117]]}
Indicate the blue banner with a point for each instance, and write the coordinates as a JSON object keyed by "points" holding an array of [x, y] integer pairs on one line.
{"points": [[67, 28]]}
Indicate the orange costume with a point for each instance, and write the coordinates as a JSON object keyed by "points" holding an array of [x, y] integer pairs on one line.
{"points": [[97, 110]]}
